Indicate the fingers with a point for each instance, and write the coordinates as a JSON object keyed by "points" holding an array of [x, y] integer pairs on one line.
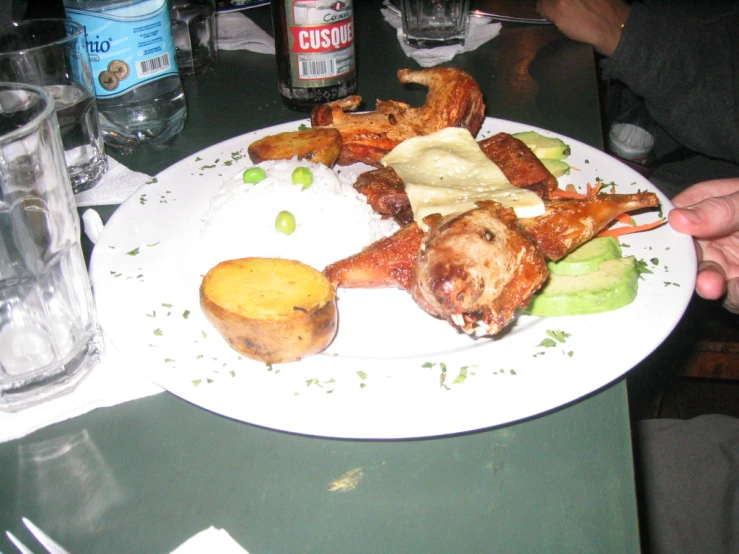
{"points": [[711, 284], [712, 217], [711, 281], [706, 189], [731, 302]]}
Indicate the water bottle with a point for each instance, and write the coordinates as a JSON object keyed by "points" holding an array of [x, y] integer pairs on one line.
{"points": [[138, 88]]}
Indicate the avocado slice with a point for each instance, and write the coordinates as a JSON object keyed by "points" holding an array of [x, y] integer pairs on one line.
{"points": [[556, 167], [613, 285], [587, 257], [544, 147]]}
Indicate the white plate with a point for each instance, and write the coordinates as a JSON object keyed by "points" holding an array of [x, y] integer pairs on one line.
{"points": [[382, 377]]}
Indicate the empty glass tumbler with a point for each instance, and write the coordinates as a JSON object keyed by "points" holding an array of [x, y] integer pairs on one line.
{"points": [[52, 53], [194, 34], [431, 23], [49, 336]]}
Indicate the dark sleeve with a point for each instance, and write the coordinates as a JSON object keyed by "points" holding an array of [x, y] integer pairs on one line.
{"points": [[687, 71]]}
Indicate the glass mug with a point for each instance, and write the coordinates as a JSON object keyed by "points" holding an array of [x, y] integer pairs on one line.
{"points": [[49, 335]]}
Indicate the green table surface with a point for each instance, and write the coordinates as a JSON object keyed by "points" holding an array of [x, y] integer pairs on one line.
{"points": [[144, 476]]}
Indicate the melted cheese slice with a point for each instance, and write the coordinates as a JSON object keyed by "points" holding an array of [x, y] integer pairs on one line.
{"points": [[446, 173]]}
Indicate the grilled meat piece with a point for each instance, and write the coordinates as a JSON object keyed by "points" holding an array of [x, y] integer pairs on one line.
{"points": [[475, 269], [454, 99], [518, 163], [386, 263], [386, 194]]}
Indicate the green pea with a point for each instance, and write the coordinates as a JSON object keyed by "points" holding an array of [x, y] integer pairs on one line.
{"points": [[302, 176], [254, 175], [285, 222]]}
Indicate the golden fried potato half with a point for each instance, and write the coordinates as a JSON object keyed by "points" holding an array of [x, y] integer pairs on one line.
{"points": [[270, 309], [318, 144]]}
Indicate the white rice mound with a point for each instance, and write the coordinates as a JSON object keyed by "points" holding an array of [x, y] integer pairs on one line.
{"points": [[333, 221]]}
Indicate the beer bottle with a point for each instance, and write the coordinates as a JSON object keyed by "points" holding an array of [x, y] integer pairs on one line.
{"points": [[314, 42]]}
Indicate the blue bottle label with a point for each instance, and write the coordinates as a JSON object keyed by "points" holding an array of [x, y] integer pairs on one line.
{"points": [[128, 46]]}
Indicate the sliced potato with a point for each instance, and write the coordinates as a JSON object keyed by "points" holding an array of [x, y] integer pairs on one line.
{"points": [[318, 144], [270, 309]]}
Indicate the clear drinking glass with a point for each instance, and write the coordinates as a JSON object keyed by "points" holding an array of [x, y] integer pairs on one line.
{"points": [[431, 23], [194, 34], [52, 53], [49, 336]]}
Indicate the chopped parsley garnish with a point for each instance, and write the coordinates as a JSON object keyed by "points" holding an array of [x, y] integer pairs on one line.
{"points": [[642, 268], [559, 336], [459, 379]]}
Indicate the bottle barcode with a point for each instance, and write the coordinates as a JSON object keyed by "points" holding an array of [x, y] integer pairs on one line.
{"points": [[317, 69], [148, 67]]}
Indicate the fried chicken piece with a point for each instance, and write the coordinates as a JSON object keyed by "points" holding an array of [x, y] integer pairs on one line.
{"points": [[518, 163], [454, 99], [475, 269], [386, 263], [385, 192], [567, 223]]}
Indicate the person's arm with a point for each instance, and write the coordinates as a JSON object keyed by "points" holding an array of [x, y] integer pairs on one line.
{"points": [[597, 22], [687, 71], [686, 68], [709, 211]]}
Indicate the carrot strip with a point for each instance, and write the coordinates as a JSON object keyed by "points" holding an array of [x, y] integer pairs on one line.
{"points": [[571, 192], [559, 193], [619, 231], [626, 219], [593, 190]]}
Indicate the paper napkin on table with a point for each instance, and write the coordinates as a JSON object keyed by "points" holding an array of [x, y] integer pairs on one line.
{"points": [[480, 31], [210, 540], [111, 382], [235, 31], [115, 186]]}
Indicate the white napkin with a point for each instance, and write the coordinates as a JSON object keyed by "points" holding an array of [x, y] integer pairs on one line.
{"points": [[112, 382], [211, 540], [480, 31], [116, 185], [238, 32]]}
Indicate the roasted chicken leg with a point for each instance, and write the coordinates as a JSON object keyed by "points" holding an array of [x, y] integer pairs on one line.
{"points": [[454, 100], [567, 223]]}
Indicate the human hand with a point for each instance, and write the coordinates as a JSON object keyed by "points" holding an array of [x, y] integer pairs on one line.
{"points": [[709, 211], [596, 22]]}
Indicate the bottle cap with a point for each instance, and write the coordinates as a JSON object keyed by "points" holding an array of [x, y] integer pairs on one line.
{"points": [[630, 141]]}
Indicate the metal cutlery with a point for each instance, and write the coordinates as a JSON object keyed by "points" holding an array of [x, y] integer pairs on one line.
{"points": [[51, 546]]}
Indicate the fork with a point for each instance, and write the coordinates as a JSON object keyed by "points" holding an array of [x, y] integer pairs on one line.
{"points": [[51, 546]]}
